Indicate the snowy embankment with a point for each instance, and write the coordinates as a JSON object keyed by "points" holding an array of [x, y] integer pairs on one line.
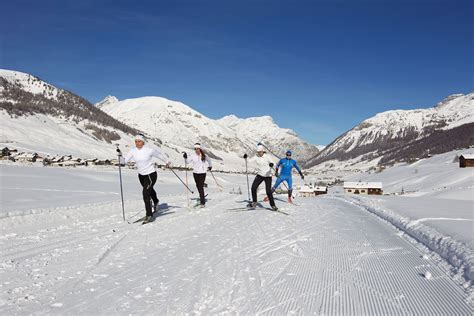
{"points": [[434, 203], [455, 251]]}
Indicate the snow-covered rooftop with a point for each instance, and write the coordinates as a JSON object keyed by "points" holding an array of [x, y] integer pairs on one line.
{"points": [[363, 185], [468, 156]]}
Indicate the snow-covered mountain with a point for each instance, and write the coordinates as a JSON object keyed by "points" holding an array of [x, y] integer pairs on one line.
{"points": [[402, 135], [107, 100], [38, 117], [263, 129], [178, 126]]}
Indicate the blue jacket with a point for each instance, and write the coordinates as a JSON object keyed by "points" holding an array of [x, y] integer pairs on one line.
{"points": [[286, 167]]}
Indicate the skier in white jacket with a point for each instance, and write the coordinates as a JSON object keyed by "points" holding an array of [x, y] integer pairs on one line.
{"points": [[263, 167], [143, 157], [201, 164]]}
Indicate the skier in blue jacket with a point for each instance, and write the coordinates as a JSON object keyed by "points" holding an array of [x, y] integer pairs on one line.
{"points": [[287, 164]]}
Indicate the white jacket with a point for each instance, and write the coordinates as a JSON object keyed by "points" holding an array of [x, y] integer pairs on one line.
{"points": [[144, 159], [261, 165], [199, 166]]}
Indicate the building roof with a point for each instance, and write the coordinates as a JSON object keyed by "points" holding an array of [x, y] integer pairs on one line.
{"points": [[307, 189], [362, 185], [467, 156], [320, 189]]}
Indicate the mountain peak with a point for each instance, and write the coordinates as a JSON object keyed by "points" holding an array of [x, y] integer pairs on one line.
{"points": [[110, 99], [448, 100]]}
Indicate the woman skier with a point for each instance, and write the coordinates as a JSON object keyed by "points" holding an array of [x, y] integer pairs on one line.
{"points": [[201, 164], [264, 166], [143, 157]]}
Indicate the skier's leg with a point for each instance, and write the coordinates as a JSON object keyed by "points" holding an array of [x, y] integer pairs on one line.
{"points": [[153, 196], [145, 182], [200, 178], [289, 180], [268, 188], [277, 183], [202, 196], [255, 184]]}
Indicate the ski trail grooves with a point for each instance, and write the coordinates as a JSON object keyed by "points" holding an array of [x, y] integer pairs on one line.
{"points": [[326, 257]]}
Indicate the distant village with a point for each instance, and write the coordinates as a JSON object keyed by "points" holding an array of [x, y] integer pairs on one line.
{"points": [[307, 190]]}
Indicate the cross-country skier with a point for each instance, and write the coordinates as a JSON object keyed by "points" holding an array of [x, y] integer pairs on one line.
{"points": [[264, 166], [201, 164], [143, 157], [287, 164]]}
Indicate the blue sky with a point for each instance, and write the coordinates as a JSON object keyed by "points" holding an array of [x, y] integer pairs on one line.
{"points": [[318, 67]]}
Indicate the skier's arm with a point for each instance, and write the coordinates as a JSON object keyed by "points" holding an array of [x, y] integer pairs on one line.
{"points": [[158, 154], [209, 163], [126, 159], [277, 168], [298, 169]]}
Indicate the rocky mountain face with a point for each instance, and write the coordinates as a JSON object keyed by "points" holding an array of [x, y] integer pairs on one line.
{"points": [[403, 135]]}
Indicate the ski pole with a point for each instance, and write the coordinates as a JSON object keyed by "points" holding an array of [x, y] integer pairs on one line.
{"points": [[215, 180], [181, 181], [246, 172], [186, 173], [120, 176]]}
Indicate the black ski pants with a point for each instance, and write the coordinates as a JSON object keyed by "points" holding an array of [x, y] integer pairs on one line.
{"points": [[149, 194], [200, 178], [268, 187]]}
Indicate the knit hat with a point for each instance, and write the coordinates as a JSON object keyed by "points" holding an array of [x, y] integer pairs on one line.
{"points": [[140, 137], [197, 146], [260, 148]]}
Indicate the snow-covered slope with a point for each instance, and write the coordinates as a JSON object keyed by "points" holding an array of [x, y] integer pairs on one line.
{"points": [[39, 117], [265, 130], [178, 126], [401, 135], [29, 83]]}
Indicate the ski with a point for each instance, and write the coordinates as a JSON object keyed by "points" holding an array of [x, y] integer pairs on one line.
{"points": [[272, 210], [241, 209], [197, 198]]}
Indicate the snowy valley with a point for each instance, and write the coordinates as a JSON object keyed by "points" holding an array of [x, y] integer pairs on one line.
{"points": [[67, 250]]}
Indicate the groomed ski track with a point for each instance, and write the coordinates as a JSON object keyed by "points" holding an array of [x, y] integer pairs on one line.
{"points": [[327, 257]]}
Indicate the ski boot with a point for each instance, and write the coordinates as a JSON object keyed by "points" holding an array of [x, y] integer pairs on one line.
{"points": [[274, 208], [147, 219], [252, 205]]}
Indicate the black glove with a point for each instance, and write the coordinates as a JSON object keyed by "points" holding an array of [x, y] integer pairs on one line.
{"points": [[302, 176], [209, 168], [185, 155], [118, 150], [271, 164], [245, 156]]}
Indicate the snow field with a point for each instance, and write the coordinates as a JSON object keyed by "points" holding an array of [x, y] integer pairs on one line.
{"points": [[326, 257]]}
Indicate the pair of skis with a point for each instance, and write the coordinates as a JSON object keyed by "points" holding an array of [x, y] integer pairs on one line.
{"points": [[259, 206]]}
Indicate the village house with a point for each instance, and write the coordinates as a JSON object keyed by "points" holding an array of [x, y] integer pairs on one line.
{"points": [[26, 157], [308, 191], [7, 153], [466, 160], [367, 188]]}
